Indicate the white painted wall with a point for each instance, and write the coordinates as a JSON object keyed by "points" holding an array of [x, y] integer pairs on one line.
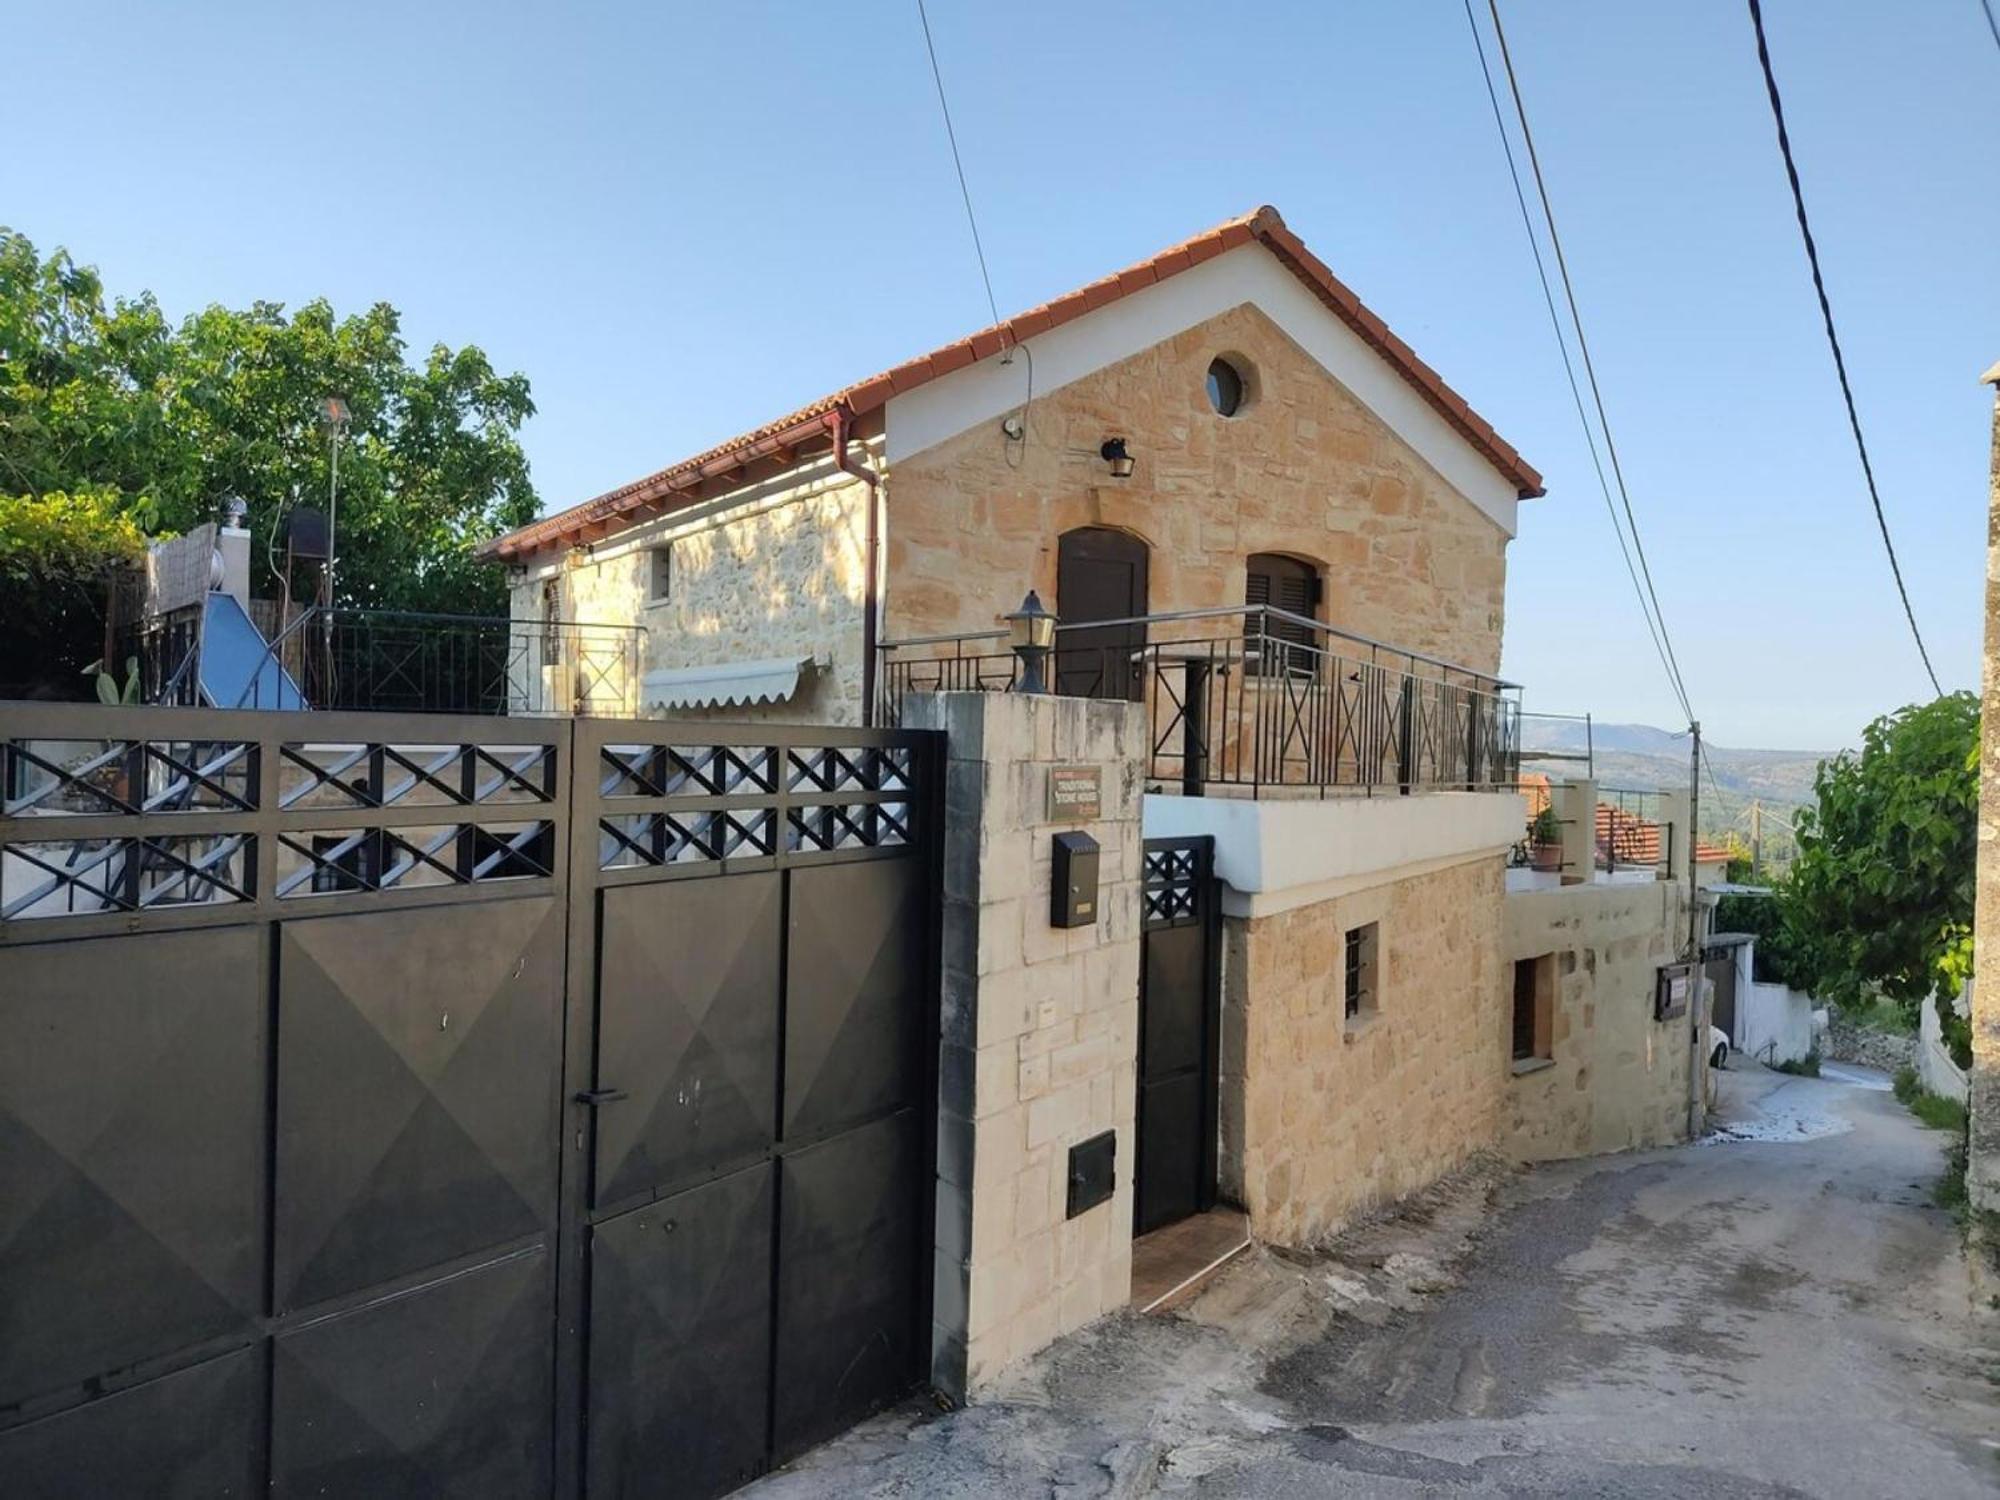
{"points": [[1274, 855], [1935, 1068], [988, 390], [1773, 1023]]}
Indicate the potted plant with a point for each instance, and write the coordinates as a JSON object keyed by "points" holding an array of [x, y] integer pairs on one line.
{"points": [[1545, 841]]}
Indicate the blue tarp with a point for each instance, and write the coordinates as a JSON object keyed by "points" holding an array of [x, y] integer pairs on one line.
{"points": [[238, 669]]}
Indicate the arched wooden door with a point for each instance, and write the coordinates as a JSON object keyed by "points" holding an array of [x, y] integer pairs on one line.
{"points": [[1100, 575]]}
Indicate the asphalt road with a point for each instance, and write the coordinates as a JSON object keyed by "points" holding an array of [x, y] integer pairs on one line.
{"points": [[1778, 1311]]}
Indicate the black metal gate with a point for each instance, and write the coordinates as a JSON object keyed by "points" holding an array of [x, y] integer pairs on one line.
{"points": [[1179, 1032], [416, 1106]]}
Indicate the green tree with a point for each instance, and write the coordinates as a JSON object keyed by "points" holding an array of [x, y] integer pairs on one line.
{"points": [[1880, 896], [108, 396], [57, 554]]}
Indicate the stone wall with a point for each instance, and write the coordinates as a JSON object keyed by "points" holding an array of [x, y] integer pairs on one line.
{"points": [[784, 575], [1615, 1078], [1983, 1162], [1303, 468], [1040, 1030], [1323, 1117], [1848, 1041]]}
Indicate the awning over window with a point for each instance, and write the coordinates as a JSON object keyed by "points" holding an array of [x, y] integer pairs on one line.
{"points": [[773, 680]]}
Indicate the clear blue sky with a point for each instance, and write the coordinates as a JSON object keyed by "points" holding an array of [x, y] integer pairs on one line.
{"points": [[680, 220]]}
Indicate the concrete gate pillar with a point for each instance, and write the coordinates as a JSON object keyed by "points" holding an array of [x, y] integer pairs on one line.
{"points": [[1040, 1025]]}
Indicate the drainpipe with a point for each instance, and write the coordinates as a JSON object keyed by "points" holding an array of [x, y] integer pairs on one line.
{"points": [[840, 422]]}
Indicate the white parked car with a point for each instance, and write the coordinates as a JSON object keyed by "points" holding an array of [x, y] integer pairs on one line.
{"points": [[1718, 1046]]}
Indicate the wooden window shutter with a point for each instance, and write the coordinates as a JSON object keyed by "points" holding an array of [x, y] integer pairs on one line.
{"points": [[1283, 583]]}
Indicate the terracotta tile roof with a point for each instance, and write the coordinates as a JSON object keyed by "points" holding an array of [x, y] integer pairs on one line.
{"points": [[1637, 839], [776, 445]]}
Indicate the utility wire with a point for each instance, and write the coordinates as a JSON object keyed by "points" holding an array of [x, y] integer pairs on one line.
{"points": [[1583, 348], [1992, 25], [1833, 338], [951, 135], [1569, 369]]}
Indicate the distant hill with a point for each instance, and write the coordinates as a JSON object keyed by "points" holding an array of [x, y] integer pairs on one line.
{"points": [[1645, 758]]}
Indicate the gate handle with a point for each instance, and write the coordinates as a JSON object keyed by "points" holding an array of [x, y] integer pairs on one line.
{"points": [[595, 1097]]}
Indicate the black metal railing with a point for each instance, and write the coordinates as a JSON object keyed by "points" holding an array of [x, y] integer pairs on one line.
{"points": [[407, 662], [1630, 832], [1255, 699]]}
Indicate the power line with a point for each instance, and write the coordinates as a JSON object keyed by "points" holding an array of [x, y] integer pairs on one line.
{"points": [[1833, 338], [1569, 370], [951, 135], [1583, 348], [1992, 25]]}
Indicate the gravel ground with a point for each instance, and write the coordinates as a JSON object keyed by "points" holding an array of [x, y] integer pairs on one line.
{"points": [[1778, 1310]]}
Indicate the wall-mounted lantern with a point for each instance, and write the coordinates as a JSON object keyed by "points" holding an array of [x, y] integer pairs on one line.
{"points": [[1031, 631], [1113, 452]]}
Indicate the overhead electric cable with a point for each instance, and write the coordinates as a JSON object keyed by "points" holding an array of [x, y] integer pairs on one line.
{"points": [[951, 135], [1833, 338], [1992, 24], [1569, 369], [1583, 348]]}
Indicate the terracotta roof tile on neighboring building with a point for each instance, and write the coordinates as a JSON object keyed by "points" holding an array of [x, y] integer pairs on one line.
{"points": [[1636, 840], [777, 443]]}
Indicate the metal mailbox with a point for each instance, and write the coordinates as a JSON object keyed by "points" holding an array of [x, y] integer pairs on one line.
{"points": [[1073, 886]]}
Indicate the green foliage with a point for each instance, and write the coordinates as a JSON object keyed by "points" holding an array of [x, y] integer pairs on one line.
{"points": [[1954, 1030], [110, 397], [1545, 827], [1880, 897], [1801, 1067], [1781, 957], [109, 691], [58, 554], [1885, 1016], [1949, 1191], [1936, 1111]]}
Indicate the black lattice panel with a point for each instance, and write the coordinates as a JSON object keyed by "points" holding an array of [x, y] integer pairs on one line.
{"points": [[688, 771], [84, 876], [1171, 894], [317, 776], [388, 859], [695, 836], [864, 825], [53, 778]]}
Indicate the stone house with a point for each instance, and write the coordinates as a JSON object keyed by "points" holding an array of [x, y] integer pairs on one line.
{"points": [[1279, 437], [1277, 543]]}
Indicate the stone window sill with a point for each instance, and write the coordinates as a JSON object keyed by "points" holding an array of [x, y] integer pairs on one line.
{"points": [[1356, 1027], [1523, 1066]]}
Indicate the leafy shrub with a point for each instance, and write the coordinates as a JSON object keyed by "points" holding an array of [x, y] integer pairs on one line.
{"points": [[1938, 1112], [1780, 957], [1800, 1067], [1905, 1085], [59, 552]]}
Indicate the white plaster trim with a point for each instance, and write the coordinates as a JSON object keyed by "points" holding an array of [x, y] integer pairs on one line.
{"points": [[1273, 856], [985, 391], [1237, 903]]}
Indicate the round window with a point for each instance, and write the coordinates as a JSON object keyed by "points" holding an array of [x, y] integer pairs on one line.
{"points": [[1225, 387]]}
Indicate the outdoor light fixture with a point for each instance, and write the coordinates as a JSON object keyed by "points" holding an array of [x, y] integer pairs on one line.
{"points": [[234, 509], [1113, 452], [1031, 631]]}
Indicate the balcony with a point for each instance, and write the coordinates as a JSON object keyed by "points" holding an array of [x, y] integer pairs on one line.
{"points": [[1255, 702]]}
